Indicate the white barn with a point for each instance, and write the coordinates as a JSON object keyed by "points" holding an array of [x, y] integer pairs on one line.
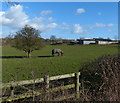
{"points": [[95, 41]]}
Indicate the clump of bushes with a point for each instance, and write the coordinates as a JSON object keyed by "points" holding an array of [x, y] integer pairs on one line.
{"points": [[101, 79]]}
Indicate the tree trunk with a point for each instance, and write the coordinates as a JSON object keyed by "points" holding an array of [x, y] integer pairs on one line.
{"points": [[29, 54]]}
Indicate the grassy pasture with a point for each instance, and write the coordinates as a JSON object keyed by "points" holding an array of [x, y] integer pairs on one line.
{"points": [[74, 57]]}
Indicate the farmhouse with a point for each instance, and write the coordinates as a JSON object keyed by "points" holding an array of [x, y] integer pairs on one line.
{"points": [[96, 41]]}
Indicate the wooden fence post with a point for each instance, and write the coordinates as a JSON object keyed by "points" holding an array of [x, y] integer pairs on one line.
{"points": [[12, 91], [77, 85], [46, 80], [33, 91]]}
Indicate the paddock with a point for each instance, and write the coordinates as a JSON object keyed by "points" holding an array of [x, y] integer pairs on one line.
{"points": [[75, 56]]}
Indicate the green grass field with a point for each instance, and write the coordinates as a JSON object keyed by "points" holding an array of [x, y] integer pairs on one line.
{"points": [[74, 57]]}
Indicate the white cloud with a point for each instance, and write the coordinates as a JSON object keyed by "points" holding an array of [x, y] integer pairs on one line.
{"points": [[97, 25], [51, 26], [51, 19], [80, 10], [78, 29], [100, 25], [3, 19], [111, 25], [37, 20], [64, 26], [43, 27], [45, 12], [16, 18]]}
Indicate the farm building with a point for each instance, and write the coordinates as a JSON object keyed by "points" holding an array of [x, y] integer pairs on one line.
{"points": [[61, 41], [64, 40], [104, 41], [95, 41], [86, 41]]}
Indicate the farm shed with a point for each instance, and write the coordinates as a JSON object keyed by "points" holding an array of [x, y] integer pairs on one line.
{"points": [[86, 41], [95, 41], [103, 41]]}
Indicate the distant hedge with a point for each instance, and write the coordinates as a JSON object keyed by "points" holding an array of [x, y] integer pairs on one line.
{"points": [[101, 79]]}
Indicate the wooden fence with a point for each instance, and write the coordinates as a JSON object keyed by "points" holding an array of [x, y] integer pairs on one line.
{"points": [[46, 80]]}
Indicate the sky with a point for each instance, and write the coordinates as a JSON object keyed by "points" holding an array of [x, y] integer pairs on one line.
{"points": [[67, 20]]}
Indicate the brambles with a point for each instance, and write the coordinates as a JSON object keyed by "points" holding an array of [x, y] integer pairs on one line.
{"points": [[101, 79]]}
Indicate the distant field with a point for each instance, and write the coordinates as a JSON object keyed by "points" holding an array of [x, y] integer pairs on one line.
{"points": [[74, 57]]}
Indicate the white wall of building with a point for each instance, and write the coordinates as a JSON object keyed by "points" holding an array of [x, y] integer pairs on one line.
{"points": [[88, 42], [105, 42]]}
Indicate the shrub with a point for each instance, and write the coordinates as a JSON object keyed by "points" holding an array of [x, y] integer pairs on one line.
{"points": [[101, 79]]}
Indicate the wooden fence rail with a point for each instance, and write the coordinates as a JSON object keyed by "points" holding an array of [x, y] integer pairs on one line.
{"points": [[48, 90]]}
